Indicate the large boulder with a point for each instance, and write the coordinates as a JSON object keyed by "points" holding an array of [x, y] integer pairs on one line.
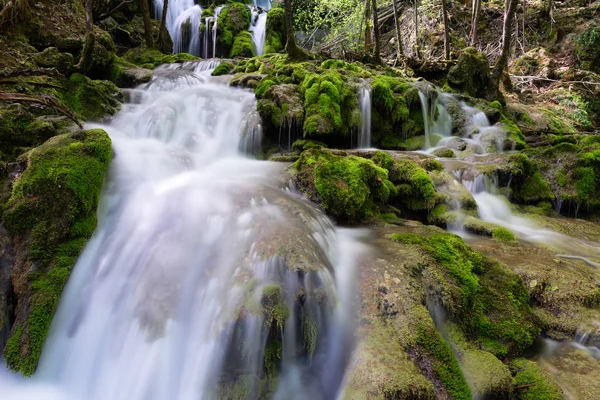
{"points": [[275, 34], [471, 74], [52, 58]]}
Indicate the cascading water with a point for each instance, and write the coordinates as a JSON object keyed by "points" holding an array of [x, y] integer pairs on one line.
{"points": [[204, 275], [364, 136], [186, 31], [257, 29], [436, 119]]}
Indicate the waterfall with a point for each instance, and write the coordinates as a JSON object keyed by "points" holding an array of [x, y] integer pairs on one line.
{"points": [[364, 138], [186, 31], [436, 119], [257, 29], [215, 29], [205, 273]]}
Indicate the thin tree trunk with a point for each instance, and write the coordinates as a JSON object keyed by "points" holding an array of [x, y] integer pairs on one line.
{"points": [[163, 22], [377, 33], [446, 34], [368, 38], [400, 52], [417, 29], [294, 52], [147, 24], [509, 16], [85, 61], [475, 21], [524, 12]]}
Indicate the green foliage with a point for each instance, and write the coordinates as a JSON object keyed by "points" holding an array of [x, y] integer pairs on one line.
{"points": [[587, 45], [53, 204], [275, 35], [535, 383]]}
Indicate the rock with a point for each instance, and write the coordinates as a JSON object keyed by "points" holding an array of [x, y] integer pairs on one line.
{"points": [[131, 77], [52, 58], [471, 74], [244, 80], [587, 44], [459, 116], [233, 20], [275, 35], [92, 99], [536, 62], [444, 152], [243, 46]]}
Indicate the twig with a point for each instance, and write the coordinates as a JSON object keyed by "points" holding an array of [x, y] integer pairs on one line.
{"points": [[524, 386], [46, 101]]}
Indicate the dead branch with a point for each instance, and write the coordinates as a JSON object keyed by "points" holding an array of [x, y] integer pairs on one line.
{"points": [[114, 10], [11, 73], [527, 78], [33, 83], [45, 100]]}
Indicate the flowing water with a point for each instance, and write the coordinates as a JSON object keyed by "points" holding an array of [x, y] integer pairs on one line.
{"points": [[436, 120], [364, 135], [205, 271], [257, 29]]}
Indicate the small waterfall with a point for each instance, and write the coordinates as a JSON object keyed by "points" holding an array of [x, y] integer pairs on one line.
{"points": [[364, 138], [186, 31], [486, 137], [257, 29], [215, 29], [436, 119]]}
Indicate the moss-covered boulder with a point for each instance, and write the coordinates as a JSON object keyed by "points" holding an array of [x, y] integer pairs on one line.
{"points": [[103, 57], [471, 74], [528, 184], [52, 58], [533, 382], [275, 35], [223, 69], [50, 215], [587, 46], [345, 187], [90, 99], [479, 227], [243, 46], [233, 20], [152, 58]]}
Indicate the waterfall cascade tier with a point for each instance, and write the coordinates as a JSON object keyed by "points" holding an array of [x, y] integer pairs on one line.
{"points": [[364, 135], [205, 272]]}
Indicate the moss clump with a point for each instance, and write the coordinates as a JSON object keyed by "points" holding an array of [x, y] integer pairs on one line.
{"points": [[587, 44], [275, 36], [233, 20], [471, 74], [53, 208], [503, 235], [301, 145], [542, 386], [328, 103], [223, 69], [346, 187], [488, 229], [242, 45], [151, 58], [274, 307], [528, 184], [91, 100], [415, 187], [444, 152], [52, 58]]}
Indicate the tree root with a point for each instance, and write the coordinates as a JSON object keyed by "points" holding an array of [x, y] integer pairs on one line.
{"points": [[46, 101]]}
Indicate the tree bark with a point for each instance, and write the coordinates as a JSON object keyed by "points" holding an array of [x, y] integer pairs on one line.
{"points": [[417, 29], [85, 61], [163, 22], [446, 34], [147, 24], [400, 52], [509, 16], [377, 33], [294, 52], [475, 20], [368, 38]]}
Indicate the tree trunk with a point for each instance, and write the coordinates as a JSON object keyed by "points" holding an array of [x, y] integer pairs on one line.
{"points": [[377, 33], [417, 29], [163, 22], [509, 16], [400, 52], [475, 21], [446, 34], [85, 61], [368, 38], [294, 52], [147, 24]]}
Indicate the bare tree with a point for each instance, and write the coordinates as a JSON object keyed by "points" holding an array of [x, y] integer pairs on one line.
{"points": [[377, 33], [475, 20], [85, 61], [446, 34], [147, 24], [400, 52], [368, 38], [509, 17], [163, 22]]}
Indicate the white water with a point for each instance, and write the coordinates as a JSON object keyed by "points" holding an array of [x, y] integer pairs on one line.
{"points": [[436, 120], [185, 31], [364, 136], [257, 29], [190, 232]]}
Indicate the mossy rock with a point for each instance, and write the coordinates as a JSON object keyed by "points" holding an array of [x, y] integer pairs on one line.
{"points": [[52, 58], [223, 69], [414, 186], [151, 58], [444, 152], [471, 74], [587, 44], [275, 33], [91, 100], [52, 210], [243, 46], [102, 57], [528, 185], [125, 74], [345, 187], [480, 227], [233, 20], [533, 382]]}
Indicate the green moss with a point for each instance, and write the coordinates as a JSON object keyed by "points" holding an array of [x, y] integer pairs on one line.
{"points": [[223, 69], [274, 307], [91, 100], [503, 235], [471, 74], [152, 58], [585, 186], [346, 187], [533, 382], [233, 20], [587, 44], [53, 205], [528, 184], [444, 152], [243, 46], [275, 36], [488, 229], [414, 185], [383, 160], [303, 144]]}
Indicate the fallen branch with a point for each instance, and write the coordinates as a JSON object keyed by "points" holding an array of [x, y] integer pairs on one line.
{"points": [[33, 83], [541, 78], [11, 73], [46, 101]]}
